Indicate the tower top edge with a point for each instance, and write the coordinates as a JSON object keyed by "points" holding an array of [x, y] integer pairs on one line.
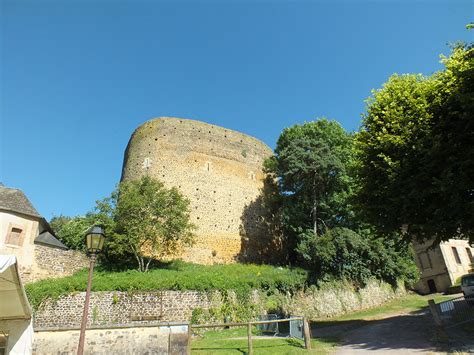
{"points": [[176, 121]]}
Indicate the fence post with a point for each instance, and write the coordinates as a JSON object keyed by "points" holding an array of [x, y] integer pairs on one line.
{"points": [[437, 319], [190, 335], [249, 336], [307, 335]]}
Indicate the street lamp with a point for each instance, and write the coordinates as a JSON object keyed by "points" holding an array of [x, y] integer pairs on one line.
{"points": [[95, 238]]}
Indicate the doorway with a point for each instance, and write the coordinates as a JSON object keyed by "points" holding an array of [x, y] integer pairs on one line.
{"points": [[432, 286]]}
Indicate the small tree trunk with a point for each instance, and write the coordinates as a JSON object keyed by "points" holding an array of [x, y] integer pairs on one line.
{"points": [[138, 261], [315, 208], [147, 264]]}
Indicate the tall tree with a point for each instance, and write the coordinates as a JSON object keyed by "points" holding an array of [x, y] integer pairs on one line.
{"points": [[310, 165], [415, 153]]}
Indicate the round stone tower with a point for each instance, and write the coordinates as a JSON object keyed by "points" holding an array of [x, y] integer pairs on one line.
{"points": [[218, 169]]}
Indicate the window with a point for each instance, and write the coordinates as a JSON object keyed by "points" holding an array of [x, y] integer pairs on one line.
{"points": [[425, 261], [456, 255], [469, 255], [467, 280], [15, 237], [3, 342]]}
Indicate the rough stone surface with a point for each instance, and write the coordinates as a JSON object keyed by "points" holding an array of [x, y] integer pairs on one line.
{"points": [[220, 171], [334, 301], [49, 262], [115, 307], [55, 262], [136, 340]]}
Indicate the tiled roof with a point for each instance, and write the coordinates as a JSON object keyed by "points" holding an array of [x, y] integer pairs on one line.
{"points": [[49, 239], [15, 200]]}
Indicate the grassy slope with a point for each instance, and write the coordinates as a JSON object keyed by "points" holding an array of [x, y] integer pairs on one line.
{"points": [[175, 275]]}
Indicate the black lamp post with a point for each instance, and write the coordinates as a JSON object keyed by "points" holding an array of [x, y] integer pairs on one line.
{"points": [[95, 238]]}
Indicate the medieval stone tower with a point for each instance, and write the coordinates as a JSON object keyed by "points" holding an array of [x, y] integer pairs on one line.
{"points": [[218, 169]]}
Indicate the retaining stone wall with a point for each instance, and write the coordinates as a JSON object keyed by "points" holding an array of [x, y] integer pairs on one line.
{"points": [[149, 307], [340, 299], [113, 308]]}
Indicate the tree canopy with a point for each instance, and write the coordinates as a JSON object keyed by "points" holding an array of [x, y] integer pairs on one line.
{"points": [[414, 153], [143, 220], [311, 162], [153, 220], [313, 169]]}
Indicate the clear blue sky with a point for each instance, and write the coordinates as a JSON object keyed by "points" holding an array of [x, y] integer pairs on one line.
{"points": [[77, 77]]}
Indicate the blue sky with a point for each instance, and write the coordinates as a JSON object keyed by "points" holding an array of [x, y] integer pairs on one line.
{"points": [[77, 77]]}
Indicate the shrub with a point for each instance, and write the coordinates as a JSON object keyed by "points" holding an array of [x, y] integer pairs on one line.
{"points": [[177, 275]]}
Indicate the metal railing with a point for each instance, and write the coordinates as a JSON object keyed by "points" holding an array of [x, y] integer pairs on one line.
{"points": [[451, 313], [456, 311]]}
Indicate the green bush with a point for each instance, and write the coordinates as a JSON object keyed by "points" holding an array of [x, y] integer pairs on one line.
{"points": [[176, 275]]}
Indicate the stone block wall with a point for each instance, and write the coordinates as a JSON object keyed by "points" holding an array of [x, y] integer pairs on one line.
{"points": [[50, 262], [338, 299], [115, 307], [135, 340]]}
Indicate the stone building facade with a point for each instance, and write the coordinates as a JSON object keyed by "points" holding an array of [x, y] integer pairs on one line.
{"points": [[442, 265], [27, 235], [220, 171]]}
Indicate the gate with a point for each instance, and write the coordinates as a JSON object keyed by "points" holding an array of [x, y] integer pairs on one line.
{"points": [[455, 312]]}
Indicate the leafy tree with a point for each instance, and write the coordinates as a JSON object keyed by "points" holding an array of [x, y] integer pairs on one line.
{"points": [[58, 222], [151, 220], [414, 153], [71, 230], [341, 253], [310, 166], [311, 163], [313, 166], [143, 221]]}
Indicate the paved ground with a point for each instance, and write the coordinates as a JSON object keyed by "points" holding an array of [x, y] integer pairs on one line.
{"points": [[409, 333], [400, 334]]}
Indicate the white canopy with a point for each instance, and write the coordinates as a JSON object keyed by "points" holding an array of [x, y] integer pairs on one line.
{"points": [[13, 301], [15, 310]]}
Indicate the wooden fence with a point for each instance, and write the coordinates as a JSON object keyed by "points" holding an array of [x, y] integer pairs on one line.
{"points": [[250, 325]]}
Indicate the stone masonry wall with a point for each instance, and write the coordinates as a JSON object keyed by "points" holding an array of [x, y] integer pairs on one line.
{"points": [[112, 308], [136, 340], [218, 169], [53, 262], [50, 262]]}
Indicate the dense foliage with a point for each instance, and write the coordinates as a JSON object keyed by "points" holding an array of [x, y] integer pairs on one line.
{"points": [[152, 220], [143, 221], [310, 165], [176, 275], [313, 168], [343, 254], [415, 152]]}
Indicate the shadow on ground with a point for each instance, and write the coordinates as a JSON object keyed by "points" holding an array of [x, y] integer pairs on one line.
{"points": [[404, 333]]}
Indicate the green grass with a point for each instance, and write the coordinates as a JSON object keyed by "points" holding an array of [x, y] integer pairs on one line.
{"points": [[175, 275], [234, 341]]}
